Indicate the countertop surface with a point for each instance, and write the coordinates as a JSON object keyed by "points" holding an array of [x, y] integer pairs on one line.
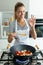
{"points": [[32, 42]]}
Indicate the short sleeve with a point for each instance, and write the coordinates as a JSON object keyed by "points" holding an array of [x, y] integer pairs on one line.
{"points": [[12, 27]]}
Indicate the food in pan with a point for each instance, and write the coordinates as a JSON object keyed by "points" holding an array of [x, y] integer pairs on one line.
{"points": [[23, 53]]}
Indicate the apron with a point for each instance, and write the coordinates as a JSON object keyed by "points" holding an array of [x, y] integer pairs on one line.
{"points": [[22, 35]]}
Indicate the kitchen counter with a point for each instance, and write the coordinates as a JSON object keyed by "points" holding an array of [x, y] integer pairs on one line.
{"points": [[38, 41]]}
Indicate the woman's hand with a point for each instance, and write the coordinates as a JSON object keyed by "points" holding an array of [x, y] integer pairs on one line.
{"points": [[11, 37], [32, 21], [8, 46]]}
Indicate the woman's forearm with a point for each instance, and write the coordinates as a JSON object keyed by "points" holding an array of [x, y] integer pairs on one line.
{"points": [[33, 32]]}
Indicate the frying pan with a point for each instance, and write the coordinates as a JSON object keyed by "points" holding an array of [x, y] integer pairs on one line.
{"points": [[20, 47], [22, 60]]}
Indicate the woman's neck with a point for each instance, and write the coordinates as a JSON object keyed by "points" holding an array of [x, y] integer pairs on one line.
{"points": [[20, 20]]}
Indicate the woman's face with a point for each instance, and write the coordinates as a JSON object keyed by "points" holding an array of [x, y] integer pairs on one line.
{"points": [[20, 13]]}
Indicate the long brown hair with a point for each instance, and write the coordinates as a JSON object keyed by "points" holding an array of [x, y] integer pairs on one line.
{"points": [[18, 4]]}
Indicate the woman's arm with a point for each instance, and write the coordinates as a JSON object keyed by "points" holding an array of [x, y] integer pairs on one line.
{"points": [[32, 27], [33, 33], [12, 33]]}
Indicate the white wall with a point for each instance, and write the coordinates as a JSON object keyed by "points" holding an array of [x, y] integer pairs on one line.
{"points": [[36, 8], [8, 5]]}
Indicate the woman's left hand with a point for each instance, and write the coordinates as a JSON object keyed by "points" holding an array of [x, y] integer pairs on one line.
{"points": [[32, 21]]}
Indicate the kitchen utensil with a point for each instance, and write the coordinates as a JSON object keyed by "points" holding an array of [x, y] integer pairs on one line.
{"points": [[39, 50], [20, 47], [23, 59]]}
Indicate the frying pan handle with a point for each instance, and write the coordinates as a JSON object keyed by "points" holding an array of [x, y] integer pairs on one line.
{"points": [[35, 54], [41, 53], [39, 50]]}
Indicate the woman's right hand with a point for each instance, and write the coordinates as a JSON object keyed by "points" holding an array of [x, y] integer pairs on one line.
{"points": [[11, 37]]}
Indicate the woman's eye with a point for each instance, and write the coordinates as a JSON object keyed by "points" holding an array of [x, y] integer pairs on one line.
{"points": [[21, 11]]}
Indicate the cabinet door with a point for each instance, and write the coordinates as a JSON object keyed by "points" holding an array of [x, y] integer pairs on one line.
{"points": [[5, 23]]}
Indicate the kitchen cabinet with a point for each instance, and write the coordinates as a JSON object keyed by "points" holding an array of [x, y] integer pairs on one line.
{"points": [[4, 26]]}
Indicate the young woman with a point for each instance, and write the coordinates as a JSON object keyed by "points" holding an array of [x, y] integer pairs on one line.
{"points": [[20, 28]]}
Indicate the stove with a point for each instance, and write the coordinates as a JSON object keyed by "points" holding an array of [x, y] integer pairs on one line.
{"points": [[37, 59]]}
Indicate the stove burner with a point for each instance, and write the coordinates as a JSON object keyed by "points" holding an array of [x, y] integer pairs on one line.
{"points": [[19, 62], [22, 62]]}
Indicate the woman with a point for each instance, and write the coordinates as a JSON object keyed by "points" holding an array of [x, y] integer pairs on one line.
{"points": [[19, 29]]}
